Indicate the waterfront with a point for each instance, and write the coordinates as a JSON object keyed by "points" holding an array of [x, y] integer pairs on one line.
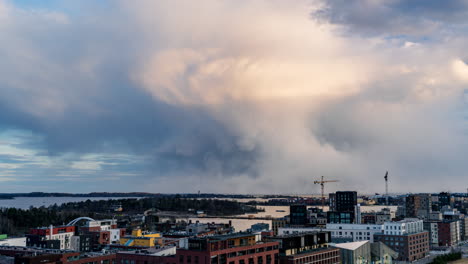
{"points": [[270, 211]]}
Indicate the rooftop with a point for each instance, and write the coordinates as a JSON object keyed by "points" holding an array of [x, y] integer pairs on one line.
{"points": [[351, 245]]}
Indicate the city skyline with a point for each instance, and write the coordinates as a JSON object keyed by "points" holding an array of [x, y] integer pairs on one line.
{"points": [[233, 96]]}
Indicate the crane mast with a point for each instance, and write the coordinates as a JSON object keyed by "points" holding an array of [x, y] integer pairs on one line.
{"points": [[386, 188], [322, 186]]}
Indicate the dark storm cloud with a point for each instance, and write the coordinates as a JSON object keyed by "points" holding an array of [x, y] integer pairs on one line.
{"points": [[416, 18], [66, 79]]}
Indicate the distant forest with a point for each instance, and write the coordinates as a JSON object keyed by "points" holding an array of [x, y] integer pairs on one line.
{"points": [[15, 221], [120, 194]]}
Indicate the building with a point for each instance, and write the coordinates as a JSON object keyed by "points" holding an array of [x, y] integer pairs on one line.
{"points": [[433, 228], [354, 252], [40, 236], [23, 255], [296, 230], [343, 207], [448, 233], [140, 239], [239, 248], [444, 199], [316, 217], [298, 215], [166, 255], [407, 237], [340, 217], [382, 254], [353, 232], [82, 243], [103, 232], [99, 225], [346, 201], [418, 206], [311, 247], [278, 223]]}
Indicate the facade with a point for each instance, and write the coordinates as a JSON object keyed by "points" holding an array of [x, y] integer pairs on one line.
{"points": [[61, 233], [296, 230], [449, 233], [382, 254], [140, 239], [406, 237], [343, 208], [355, 252], [433, 228], [298, 215], [228, 249], [346, 201], [418, 205], [340, 217], [82, 243], [24, 255], [353, 232], [278, 223], [322, 256], [308, 247], [444, 199]]}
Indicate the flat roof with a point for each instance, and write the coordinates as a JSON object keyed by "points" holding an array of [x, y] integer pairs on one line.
{"points": [[351, 245]]}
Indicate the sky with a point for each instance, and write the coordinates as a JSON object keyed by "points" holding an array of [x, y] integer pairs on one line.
{"points": [[233, 96]]}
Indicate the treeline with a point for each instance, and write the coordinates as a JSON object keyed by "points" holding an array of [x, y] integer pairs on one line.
{"points": [[18, 221], [120, 194], [170, 203], [443, 259]]}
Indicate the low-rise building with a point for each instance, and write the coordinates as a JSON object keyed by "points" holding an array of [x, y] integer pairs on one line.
{"points": [[354, 252], [39, 236], [353, 232], [140, 239], [309, 247], [407, 237], [382, 254]]}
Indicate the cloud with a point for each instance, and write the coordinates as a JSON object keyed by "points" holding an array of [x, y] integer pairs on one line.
{"points": [[248, 97], [420, 18]]}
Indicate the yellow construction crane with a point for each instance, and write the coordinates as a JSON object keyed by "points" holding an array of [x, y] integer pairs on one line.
{"points": [[322, 184]]}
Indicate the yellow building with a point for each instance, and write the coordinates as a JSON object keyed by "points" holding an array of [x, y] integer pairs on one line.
{"points": [[139, 239]]}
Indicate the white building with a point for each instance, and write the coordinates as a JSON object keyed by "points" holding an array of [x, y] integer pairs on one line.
{"points": [[354, 232], [406, 226], [296, 230]]}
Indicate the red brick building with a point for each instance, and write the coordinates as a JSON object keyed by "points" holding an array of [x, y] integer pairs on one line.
{"points": [[409, 247], [223, 249]]}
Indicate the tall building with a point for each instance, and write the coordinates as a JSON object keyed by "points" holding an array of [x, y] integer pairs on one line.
{"points": [[418, 206], [343, 207], [407, 237], [444, 199], [298, 215], [346, 201]]}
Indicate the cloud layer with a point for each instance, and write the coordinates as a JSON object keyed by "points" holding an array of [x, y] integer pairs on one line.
{"points": [[229, 96]]}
